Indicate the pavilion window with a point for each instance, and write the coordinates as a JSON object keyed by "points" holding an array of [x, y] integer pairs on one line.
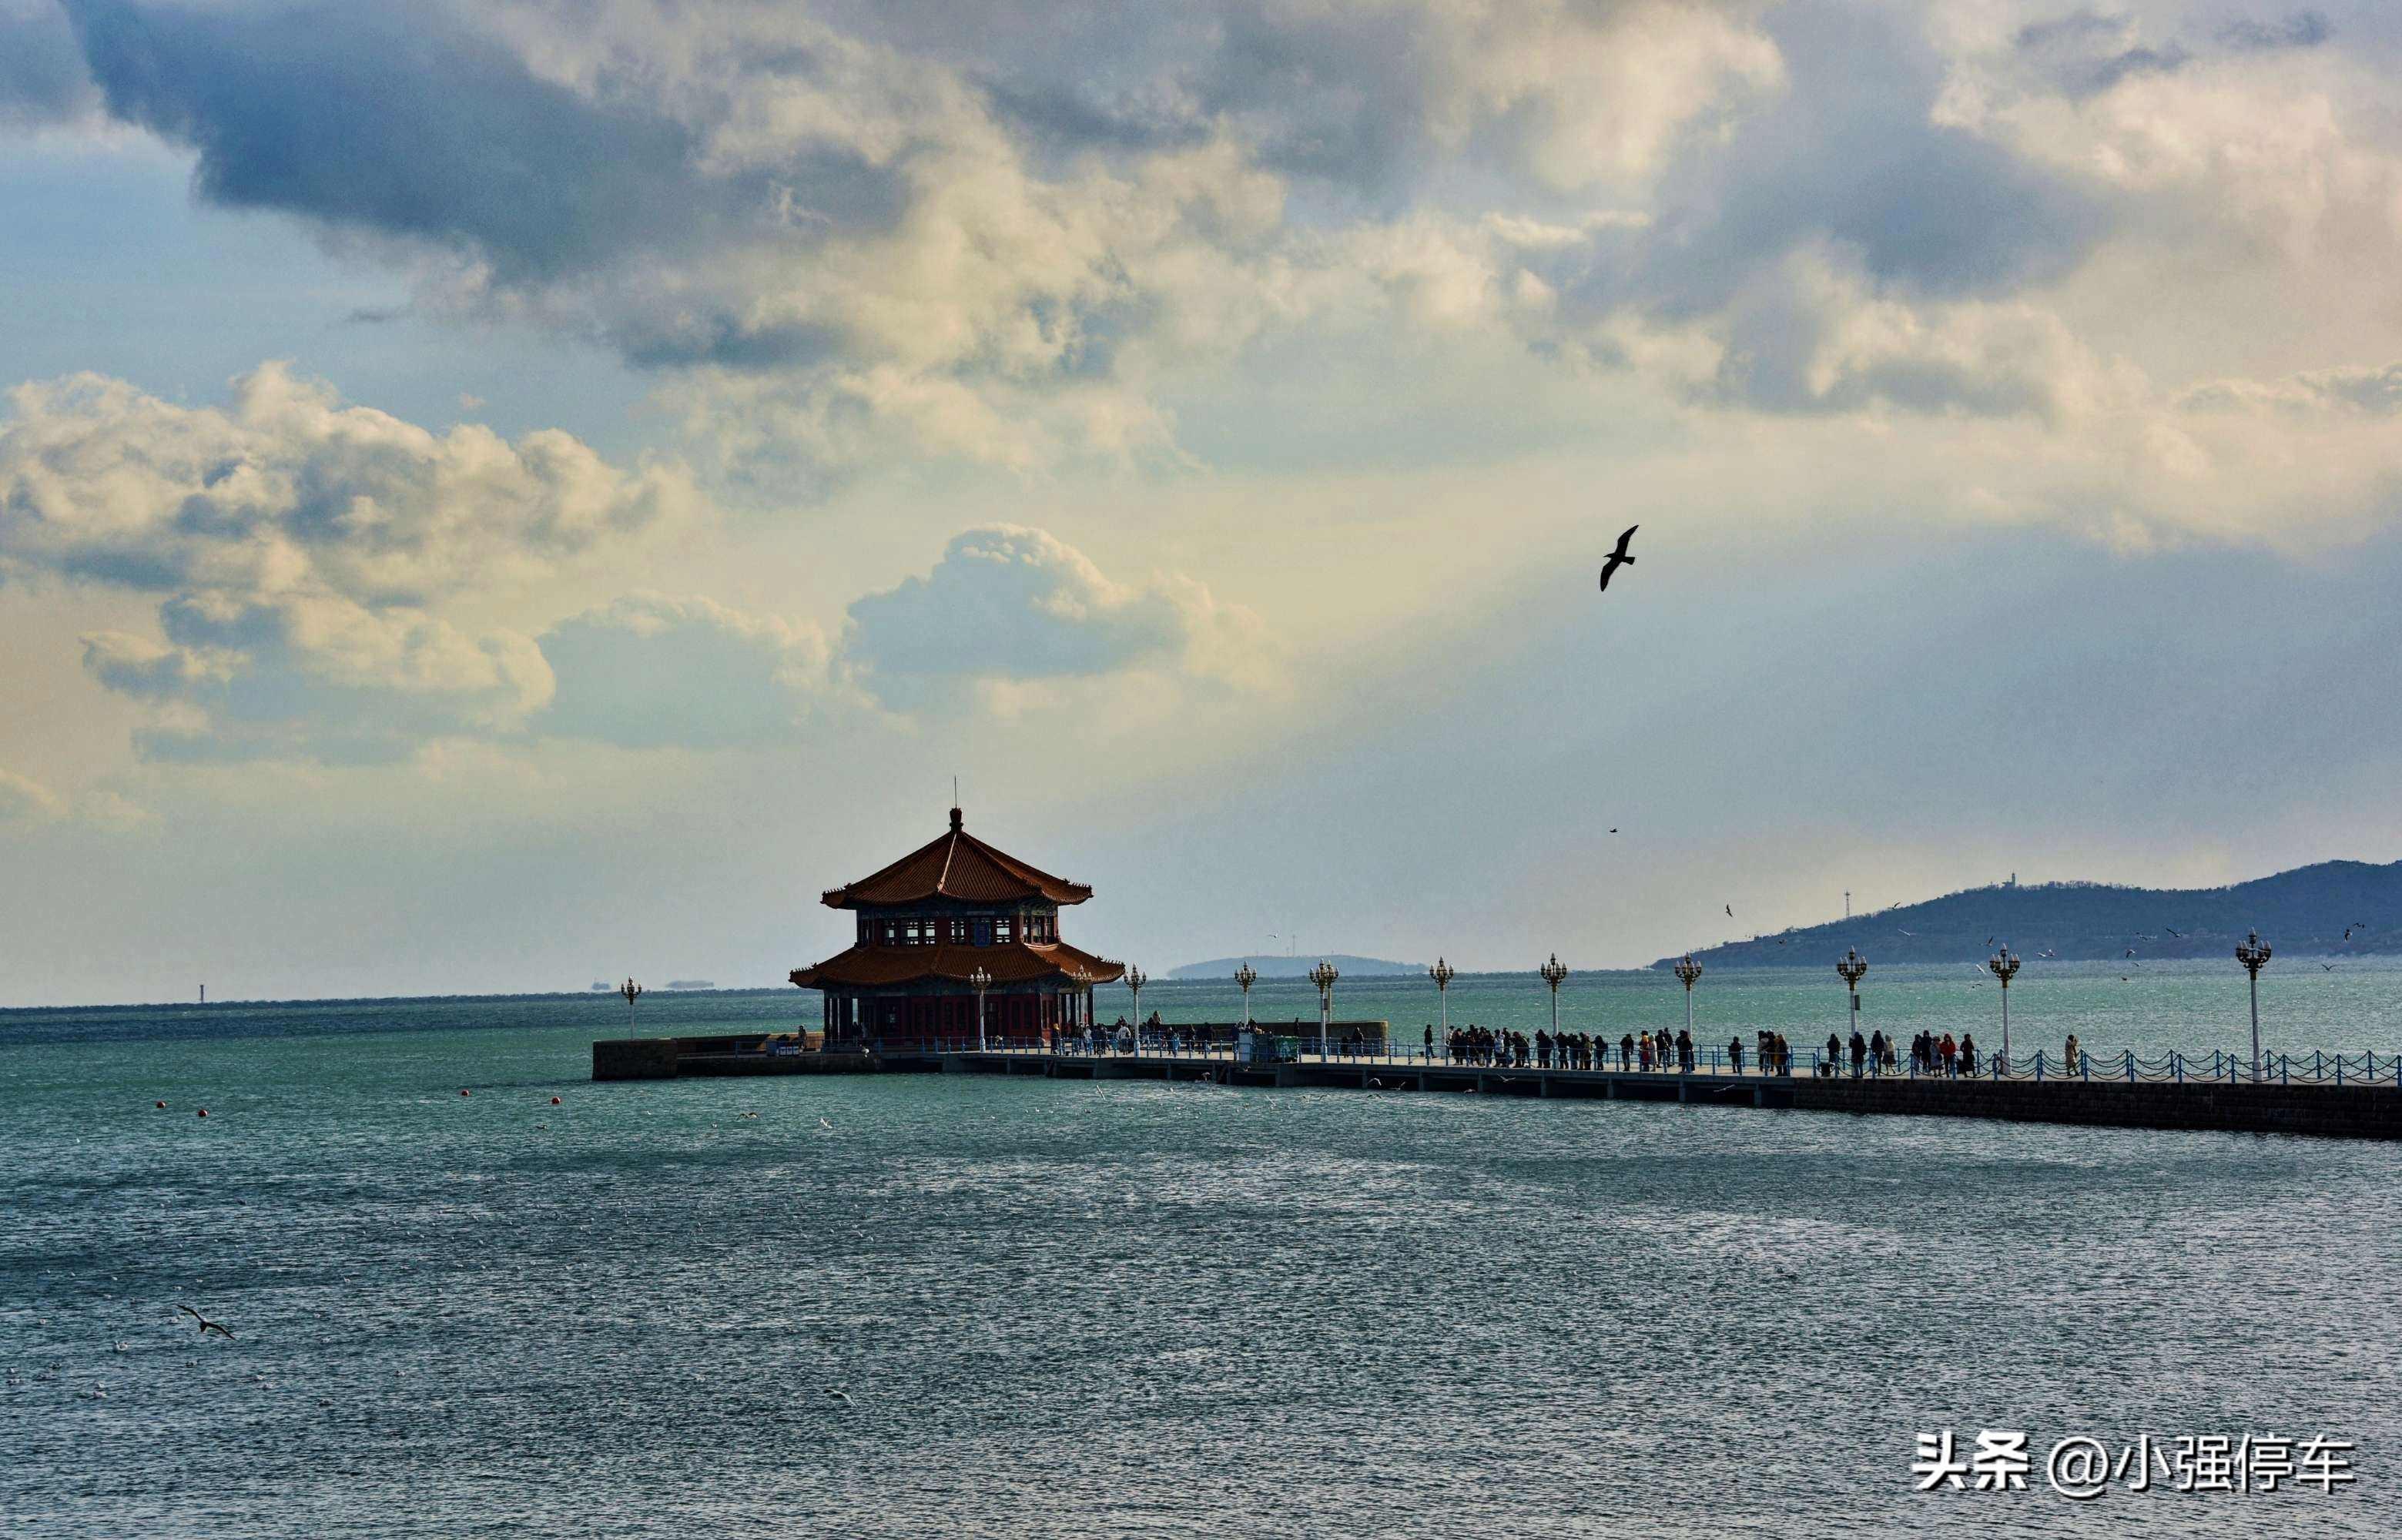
{"points": [[983, 931], [1002, 929]]}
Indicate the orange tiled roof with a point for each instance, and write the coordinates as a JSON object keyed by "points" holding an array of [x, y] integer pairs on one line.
{"points": [[957, 865], [868, 967]]}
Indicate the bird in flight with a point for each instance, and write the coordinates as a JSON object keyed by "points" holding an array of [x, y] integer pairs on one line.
{"points": [[207, 1325], [1618, 558], [2174, 931], [1730, 909], [1613, 831]]}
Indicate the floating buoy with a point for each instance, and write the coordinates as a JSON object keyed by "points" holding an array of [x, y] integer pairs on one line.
{"points": [[203, 1111], [163, 1103], [554, 1101], [462, 1090]]}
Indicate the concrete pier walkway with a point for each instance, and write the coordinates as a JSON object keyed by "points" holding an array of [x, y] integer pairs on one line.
{"points": [[2226, 1101]]}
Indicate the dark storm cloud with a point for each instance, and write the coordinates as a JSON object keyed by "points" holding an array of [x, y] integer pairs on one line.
{"points": [[411, 127], [2305, 29], [42, 73], [1851, 156]]}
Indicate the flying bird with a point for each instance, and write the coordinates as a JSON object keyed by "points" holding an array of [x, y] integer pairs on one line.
{"points": [[1618, 558], [2174, 931], [1730, 909], [1613, 831], [207, 1325]]}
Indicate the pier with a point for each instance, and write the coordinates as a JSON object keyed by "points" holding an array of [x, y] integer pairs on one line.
{"points": [[2355, 1096]]}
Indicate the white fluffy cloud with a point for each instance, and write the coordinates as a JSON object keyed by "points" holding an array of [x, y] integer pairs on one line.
{"points": [[1009, 606], [308, 554], [317, 567]]}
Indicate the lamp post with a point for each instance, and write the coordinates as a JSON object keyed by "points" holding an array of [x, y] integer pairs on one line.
{"points": [[633, 992], [980, 980], [1245, 977], [1689, 972], [1323, 976], [1551, 973], [1853, 967], [1135, 979], [2251, 953], [2004, 967], [1443, 973]]}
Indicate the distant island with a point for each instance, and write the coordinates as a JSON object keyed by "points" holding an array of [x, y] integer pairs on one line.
{"points": [[2332, 909], [1294, 968]]}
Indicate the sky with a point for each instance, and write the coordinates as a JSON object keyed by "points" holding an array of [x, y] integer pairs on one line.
{"points": [[499, 496]]}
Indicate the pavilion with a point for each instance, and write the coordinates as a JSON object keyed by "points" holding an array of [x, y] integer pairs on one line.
{"points": [[929, 924]]}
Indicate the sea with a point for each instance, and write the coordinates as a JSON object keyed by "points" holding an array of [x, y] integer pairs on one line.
{"points": [[472, 1293]]}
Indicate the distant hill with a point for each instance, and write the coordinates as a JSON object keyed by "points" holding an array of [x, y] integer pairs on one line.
{"points": [[2301, 913], [1294, 968]]}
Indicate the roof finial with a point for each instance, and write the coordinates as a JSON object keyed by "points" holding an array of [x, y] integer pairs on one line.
{"points": [[955, 802]]}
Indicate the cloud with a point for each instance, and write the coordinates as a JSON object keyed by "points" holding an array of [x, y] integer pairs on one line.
{"points": [[43, 81], [2303, 29], [1010, 605], [23, 801], [653, 671], [304, 555]]}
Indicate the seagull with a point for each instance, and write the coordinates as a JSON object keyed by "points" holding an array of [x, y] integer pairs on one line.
{"points": [[2129, 952], [1613, 831], [2329, 967], [824, 1123], [1730, 909], [207, 1325], [1618, 558], [2179, 934], [844, 1396], [1911, 933]]}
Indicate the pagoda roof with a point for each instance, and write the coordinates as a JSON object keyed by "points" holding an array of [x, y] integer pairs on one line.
{"points": [[955, 865], [1022, 962]]}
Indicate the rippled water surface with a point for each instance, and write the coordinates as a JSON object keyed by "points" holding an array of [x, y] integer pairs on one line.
{"points": [[1073, 1309]]}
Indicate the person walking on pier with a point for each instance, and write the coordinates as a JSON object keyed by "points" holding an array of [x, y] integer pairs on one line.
{"points": [[1644, 1043], [1950, 1052], [2068, 1060], [1429, 1041]]}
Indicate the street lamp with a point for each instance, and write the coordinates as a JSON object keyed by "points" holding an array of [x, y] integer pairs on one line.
{"points": [[1690, 972], [1853, 967], [2004, 967], [1245, 977], [1551, 973], [1323, 976], [2251, 953], [1135, 979], [980, 980], [633, 992], [1443, 973]]}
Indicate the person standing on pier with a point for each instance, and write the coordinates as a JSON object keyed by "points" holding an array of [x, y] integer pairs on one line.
{"points": [[1877, 1048], [1834, 1053], [1859, 1052], [1734, 1053], [1684, 1050], [1950, 1052], [1968, 1054]]}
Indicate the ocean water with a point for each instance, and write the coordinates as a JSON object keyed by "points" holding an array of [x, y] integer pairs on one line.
{"points": [[1059, 1307]]}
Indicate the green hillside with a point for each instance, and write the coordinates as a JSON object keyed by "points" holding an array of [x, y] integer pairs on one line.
{"points": [[2305, 912]]}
